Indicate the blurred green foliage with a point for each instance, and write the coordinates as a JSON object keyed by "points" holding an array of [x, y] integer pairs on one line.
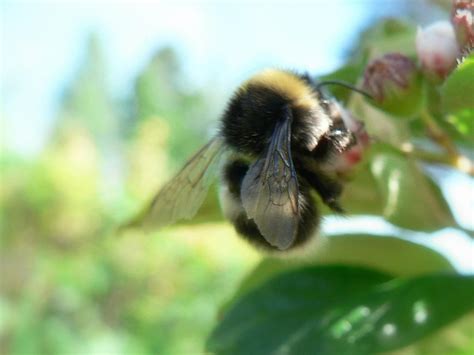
{"points": [[71, 284]]}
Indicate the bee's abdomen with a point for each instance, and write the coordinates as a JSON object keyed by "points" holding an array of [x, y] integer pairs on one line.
{"points": [[233, 175]]}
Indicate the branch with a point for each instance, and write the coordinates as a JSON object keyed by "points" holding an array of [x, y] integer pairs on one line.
{"points": [[454, 157], [437, 158]]}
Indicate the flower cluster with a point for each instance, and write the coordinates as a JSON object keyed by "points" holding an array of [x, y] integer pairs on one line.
{"points": [[396, 81], [394, 78]]}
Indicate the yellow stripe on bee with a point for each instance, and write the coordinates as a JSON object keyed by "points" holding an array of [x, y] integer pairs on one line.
{"points": [[286, 84]]}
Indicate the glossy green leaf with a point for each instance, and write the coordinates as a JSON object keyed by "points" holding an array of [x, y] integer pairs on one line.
{"points": [[381, 253], [457, 91], [340, 310], [377, 252], [458, 98], [463, 120], [455, 339], [411, 199]]}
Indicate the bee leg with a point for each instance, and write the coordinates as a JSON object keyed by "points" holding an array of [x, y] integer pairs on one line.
{"points": [[334, 142], [328, 188]]}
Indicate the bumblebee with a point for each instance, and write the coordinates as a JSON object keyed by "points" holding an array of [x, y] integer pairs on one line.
{"points": [[278, 138]]}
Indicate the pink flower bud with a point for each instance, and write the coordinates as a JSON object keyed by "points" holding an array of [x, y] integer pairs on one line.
{"points": [[394, 83], [437, 49], [462, 18]]}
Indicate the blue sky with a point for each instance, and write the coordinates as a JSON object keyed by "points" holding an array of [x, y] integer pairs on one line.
{"points": [[218, 41]]}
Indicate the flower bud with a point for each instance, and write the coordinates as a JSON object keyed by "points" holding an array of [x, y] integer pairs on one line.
{"points": [[394, 83], [462, 18], [437, 49]]}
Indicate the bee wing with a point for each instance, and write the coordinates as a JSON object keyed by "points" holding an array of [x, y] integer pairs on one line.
{"points": [[270, 189], [182, 196]]}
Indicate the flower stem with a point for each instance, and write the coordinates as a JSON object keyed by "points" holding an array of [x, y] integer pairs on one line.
{"points": [[454, 158]]}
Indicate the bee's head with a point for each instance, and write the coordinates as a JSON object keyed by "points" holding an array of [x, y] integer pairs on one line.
{"points": [[360, 141], [347, 133]]}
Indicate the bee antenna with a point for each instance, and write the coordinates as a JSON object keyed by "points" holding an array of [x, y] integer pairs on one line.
{"points": [[343, 84]]}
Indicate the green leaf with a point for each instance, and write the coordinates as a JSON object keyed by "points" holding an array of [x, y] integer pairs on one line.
{"points": [[340, 310], [359, 196], [381, 253], [411, 199], [390, 35], [457, 91], [391, 185], [463, 120], [377, 252], [458, 98], [403, 43], [456, 339]]}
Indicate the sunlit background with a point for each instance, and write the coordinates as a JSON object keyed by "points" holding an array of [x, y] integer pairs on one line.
{"points": [[101, 101]]}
